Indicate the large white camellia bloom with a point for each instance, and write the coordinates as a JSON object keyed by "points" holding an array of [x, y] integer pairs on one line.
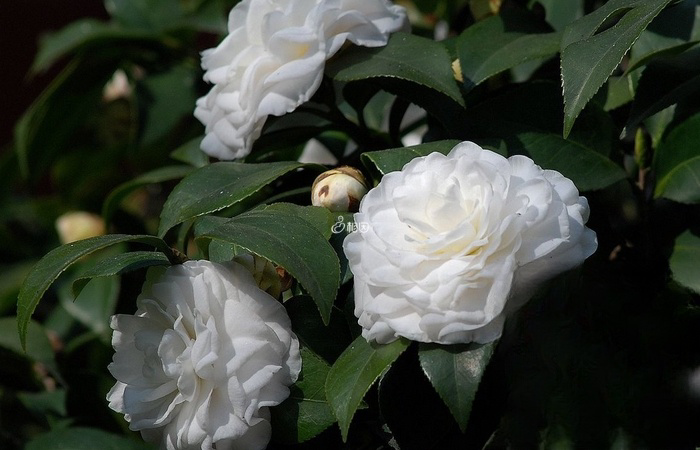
{"points": [[273, 58], [453, 243], [203, 358]]}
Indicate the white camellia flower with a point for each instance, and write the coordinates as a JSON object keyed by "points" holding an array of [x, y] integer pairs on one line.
{"points": [[273, 58], [203, 358], [449, 240]]}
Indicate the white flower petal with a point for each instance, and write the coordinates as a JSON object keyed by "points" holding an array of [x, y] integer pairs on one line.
{"points": [[454, 243], [203, 357], [272, 61]]}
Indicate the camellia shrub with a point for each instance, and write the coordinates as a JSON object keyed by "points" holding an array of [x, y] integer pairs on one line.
{"points": [[357, 224]]}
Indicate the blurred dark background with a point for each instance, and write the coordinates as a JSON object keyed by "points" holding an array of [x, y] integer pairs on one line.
{"points": [[22, 23]]}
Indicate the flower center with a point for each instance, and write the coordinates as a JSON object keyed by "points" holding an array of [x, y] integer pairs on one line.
{"points": [[444, 220]]}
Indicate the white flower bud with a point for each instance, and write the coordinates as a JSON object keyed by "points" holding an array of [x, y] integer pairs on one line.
{"points": [[76, 225], [270, 278], [117, 87], [339, 190]]}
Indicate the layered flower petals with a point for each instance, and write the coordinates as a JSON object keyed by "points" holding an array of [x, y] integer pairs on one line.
{"points": [[451, 244], [273, 59], [205, 355]]}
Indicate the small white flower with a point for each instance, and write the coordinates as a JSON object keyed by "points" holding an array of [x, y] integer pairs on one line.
{"points": [[452, 239], [273, 58], [203, 358]]}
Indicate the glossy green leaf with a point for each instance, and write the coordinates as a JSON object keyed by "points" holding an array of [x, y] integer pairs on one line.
{"points": [[159, 175], [11, 278], [326, 340], [190, 153], [586, 167], [155, 15], [620, 91], [500, 43], [79, 34], [684, 261], [205, 15], [45, 403], [386, 161], [79, 438], [343, 225], [590, 53], [561, 13], [54, 263], [672, 31], [677, 163], [306, 412], [72, 98], [581, 157], [95, 303], [665, 82], [455, 372], [218, 186], [407, 57], [354, 372], [35, 346], [291, 242], [119, 264], [318, 217], [165, 110]]}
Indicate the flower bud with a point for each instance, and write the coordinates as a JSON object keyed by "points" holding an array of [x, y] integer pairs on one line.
{"points": [[339, 190], [457, 70], [76, 225], [117, 87], [266, 275]]}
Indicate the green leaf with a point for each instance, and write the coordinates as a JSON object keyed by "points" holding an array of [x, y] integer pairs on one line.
{"points": [[684, 261], [406, 57], [79, 34], [561, 13], [354, 373], [79, 438], [35, 345], [53, 264], [45, 403], [586, 167], [159, 175], [94, 305], [589, 55], [190, 153], [455, 372], [205, 15], [218, 186], [390, 160], [306, 412], [673, 30], [343, 225], [164, 110], [155, 15], [500, 43], [508, 119], [665, 82], [11, 278], [72, 98], [291, 242], [327, 341], [677, 163], [620, 90], [119, 264], [316, 216]]}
